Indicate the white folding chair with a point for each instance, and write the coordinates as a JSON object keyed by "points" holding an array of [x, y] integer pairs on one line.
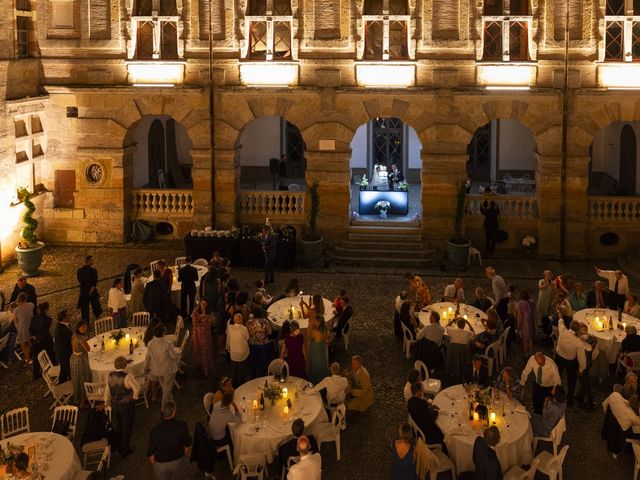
{"points": [[226, 449], [200, 262], [140, 319], [66, 413], [14, 422], [330, 431], [94, 392], [518, 473], [155, 265], [503, 345], [635, 444], [180, 261], [634, 366], [94, 452], [441, 462], [474, 253], [251, 465], [144, 387], [278, 368], [179, 328], [408, 340], [180, 353], [207, 401], [492, 356], [103, 325], [555, 437], [4, 341], [429, 385], [52, 371], [551, 465], [61, 393]]}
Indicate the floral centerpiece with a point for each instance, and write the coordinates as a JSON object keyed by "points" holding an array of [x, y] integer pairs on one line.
{"points": [[382, 206], [482, 398], [273, 393], [529, 243], [403, 186], [8, 456], [364, 183], [117, 336]]}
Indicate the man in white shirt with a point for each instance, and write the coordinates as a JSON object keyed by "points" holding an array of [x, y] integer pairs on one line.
{"points": [[454, 292], [224, 413], [120, 394], [459, 333], [618, 285], [620, 408], [500, 292], [335, 385], [546, 377], [118, 304], [238, 347], [434, 331], [161, 364], [571, 355], [310, 465]]}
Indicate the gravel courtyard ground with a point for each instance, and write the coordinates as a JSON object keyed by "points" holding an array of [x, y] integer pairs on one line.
{"points": [[365, 443]]}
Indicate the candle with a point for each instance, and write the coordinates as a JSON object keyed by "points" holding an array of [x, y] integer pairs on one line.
{"points": [[286, 410], [450, 310], [113, 341], [476, 416], [255, 405], [624, 326], [285, 393], [444, 314], [465, 316], [492, 417], [126, 337], [293, 309]]}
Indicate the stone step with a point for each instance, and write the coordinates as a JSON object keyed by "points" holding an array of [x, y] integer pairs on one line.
{"points": [[394, 238], [408, 263], [367, 244], [386, 229], [380, 252], [630, 265], [386, 223]]}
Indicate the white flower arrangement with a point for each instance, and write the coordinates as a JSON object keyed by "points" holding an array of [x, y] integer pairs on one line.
{"points": [[364, 182], [529, 242], [403, 186], [382, 205]]}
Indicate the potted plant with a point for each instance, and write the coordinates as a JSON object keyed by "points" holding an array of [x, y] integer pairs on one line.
{"points": [[458, 246], [364, 183], [311, 240], [29, 250]]}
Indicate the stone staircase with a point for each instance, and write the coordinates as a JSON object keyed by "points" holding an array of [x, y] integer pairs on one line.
{"points": [[629, 262], [385, 244]]}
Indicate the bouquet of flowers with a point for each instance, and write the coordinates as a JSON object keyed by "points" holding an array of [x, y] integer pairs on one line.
{"points": [[117, 336], [364, 183], [382, 205], [9, 453], [273, 392], [482, 396], [528, 242]]}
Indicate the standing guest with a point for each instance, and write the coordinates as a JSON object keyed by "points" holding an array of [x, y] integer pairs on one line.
{"points": [[121, 394], [293, 350], [403, 455], [546, 376], [80, 371], [309, 467], [577, 298], [359, 392], [156, 297], [160, 365], [290, 447], [526, 320], [631, 342], [509, 383], [22, 315], [270, 249], [222, 387], [188, 276], [585, 395], [424, 415], [481, 301], [21, 286], [625, 413], [454, 292], [562, 308], [631, 306], [485, 459], [40, 331], [570, 355], [166, 275], [500, 292], [420, 289], [224, 413], [546, 294], [618, 286], [338, 304], [118, 304], [476, 372], [137, 292], [259, 329], [210, 286], [335, 385], [87, 277], [6, 319], [598, 297], [491, 212], [219, 262], [318, 352], [169, 444], [202, 342], [343, 318], [238, 348], [62, 344]]}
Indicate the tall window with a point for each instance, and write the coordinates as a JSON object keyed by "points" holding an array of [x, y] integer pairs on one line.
{"points": [[386, 30], [506, 31], [387, 141], [269, 23], [622, 39], [156, 24], [22, 30]]}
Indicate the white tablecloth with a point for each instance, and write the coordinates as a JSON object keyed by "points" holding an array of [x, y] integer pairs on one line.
{"points": [[447, 310], [176, 286], [55, 456], [101, 363], [515, 443], [609, 341], [264, 431], [279, 311]]}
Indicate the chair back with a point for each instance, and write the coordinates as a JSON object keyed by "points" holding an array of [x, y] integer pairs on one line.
{"points": [[4, 341], [531, 473], [180, 261], [103, 325], [201, 262], [43, 360], [422, 368], [251, 465], [635, 444], [635, 358], [337, 418], [408, 336], [94, 391], [278, 368], [155, 265], [140, 319], [417, 431], [558, 431], [179, 326], [104, 460], [14, 422], [207, 401], [492, 354], [184, 342], [503, 344], [68, 413], [558, 460]]}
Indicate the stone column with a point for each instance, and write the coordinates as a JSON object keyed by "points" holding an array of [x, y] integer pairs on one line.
{"points": [[227, 185]]}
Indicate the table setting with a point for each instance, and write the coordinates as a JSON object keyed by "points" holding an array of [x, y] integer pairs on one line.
{"points": [[607, 327], [107, 347], [288, 308], [176, 285], [447, 312]]}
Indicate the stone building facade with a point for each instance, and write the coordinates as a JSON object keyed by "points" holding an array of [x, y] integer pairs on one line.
{"points": [[78, 76]]}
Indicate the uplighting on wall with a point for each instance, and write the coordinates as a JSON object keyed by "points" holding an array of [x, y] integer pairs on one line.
{"points": [[269, 74], [156, 73], [506, 75], [506, 87], [383, 75], [621, 77]]}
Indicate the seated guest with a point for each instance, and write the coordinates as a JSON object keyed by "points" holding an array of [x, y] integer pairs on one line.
{"points": [[629, 389], [292, 289], [413, 376], [458, 351], [335, 385], [309, 467], [486, 338], [344, 317], [577, 298], [509, 383], [222, 387], [424, 415], [476, 372], [631, 342], [459, 333], [434, 331], [219, 262], [224, 413], [403, 461], [261, 296], [623, 413], [408, 318], [631, 306], [485, 459], [359, 392], [400, 299], [290, 447], [552, 412], [454, 292], [481, 301], [21, 466], [429, 343], [598, 297]]}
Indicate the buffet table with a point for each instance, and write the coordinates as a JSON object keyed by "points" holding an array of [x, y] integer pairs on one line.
{"points": [[398, 200], [101, 362]]}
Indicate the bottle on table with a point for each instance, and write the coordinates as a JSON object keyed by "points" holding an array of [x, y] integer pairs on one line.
{"points": [[131, 346], [103, 346], [611, 322], [290, 312], [471, 410], [261, 404]]}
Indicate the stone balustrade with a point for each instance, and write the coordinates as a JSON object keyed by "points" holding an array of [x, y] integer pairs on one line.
{"points": [[614, 210], [162, 202], [512, 207], [277, 205]]}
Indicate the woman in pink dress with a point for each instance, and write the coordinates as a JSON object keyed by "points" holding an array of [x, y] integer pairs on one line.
{"points": [[293, 350], [526, 317], [202, 343]]}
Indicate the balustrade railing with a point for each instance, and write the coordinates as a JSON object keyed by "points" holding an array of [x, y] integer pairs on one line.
{"points": [[162, 202], [512, 207], [614, 210], [273, 204]]}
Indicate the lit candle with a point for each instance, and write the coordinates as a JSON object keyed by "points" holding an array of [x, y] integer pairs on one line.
{"points": [[444, 314], [450, 310], [597, 319], [286, 410], [624, 326], [294, 311], [255, 405], [126, 337], [476, 416], [492, 417], [465, 316], [113, 341], [285, 393]]}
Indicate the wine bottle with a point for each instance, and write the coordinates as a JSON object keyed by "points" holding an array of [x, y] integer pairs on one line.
{"points": [[610, 322], [103, 345], [261, 406], [131, 346], [471, 411], [291, 312]]}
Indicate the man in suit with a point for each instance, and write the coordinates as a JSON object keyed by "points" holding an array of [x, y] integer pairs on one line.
{"points": [[484, 455], [270, 249], [187, 276], [161, 364], [156, 297], [344, 317], [491, 212], [309, 467], [62, 338], [424, 415], [22, 286], [395, 176], [88, 281], [598, 297], [290, 447], [359, 392], [476, 372]]}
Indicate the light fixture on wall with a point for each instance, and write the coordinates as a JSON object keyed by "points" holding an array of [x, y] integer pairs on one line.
{"points": [[619, 77], [385, 76], [507, 87], [507, 75], [269, 74]]}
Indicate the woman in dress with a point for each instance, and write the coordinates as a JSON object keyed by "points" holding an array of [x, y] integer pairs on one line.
{"points": [[137, 292], [118, 304], [293, 350], [318, 352], [546, 294], [202, 343], [525, 316], [80, 371], [222, 386], [166, 275], [40, 330], [22, 315], [509, 382], [403, 455]]}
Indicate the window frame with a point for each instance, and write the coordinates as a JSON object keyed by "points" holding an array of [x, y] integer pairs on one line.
{"points": [[627, 42], [158, 23], [386, 21], [271, 22], [506, 22]]}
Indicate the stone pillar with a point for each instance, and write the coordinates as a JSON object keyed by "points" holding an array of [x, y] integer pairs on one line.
{"points": [[227, 185], [548, 201], [202, 181]]}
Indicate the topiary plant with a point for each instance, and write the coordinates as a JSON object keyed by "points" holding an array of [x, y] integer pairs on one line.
{"points": [[28, 237]]}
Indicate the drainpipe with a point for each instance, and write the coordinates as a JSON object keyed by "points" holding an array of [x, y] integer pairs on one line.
{"points": [[565, 127], [211, 119]]}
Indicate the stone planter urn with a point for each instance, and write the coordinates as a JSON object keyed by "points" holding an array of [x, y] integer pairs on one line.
{"points": [[312, 251], [458, 252], [30, 259]]}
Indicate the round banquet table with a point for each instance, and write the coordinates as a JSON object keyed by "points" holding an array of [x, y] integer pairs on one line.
{"points": [[264, 431], [101, 363], [446, 310], [279, 311], [54, 454], [176, 286], [460, 434]]}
